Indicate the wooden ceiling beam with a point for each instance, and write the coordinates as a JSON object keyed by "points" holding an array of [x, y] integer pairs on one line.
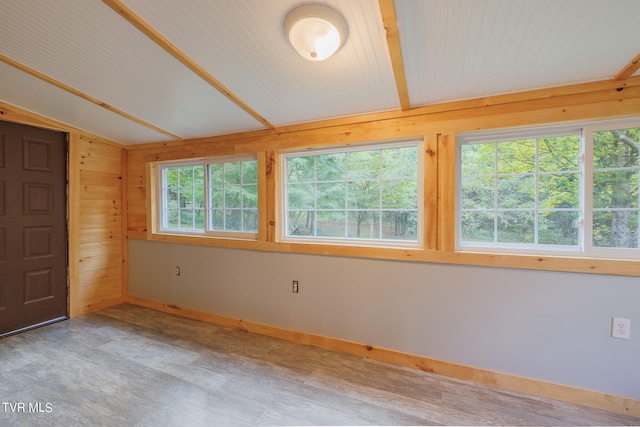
{"points": [[165, 44], [628, 70], [84, 96], [395, 53]]}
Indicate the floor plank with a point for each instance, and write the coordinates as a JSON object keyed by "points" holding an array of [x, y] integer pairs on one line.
{"points": [[128, 365]]}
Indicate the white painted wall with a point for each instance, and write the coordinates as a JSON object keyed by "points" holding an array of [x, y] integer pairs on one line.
{"points": [[548, 326]]}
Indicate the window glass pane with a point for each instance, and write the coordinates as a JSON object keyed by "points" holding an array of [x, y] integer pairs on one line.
{"points": [[172, 198], [233, 220], [185, 176], [301, 196], [616, 177], [172, 218], [615, 229], [198, 216], [300, 169], [216, 196], [539, 200], [616, 148], [534, 190], [400, 162], [558, 228], [517, 156], [216, 217], [198, 176], [249, 172], [185, 196], [331, 195], [232, 173], [559, 190], [400, 194], [215, 174], [348, 193], [516, 191], [478, 226], [516, 227], [478, 159], [233, 193], [478, 193], [559, 153], [331, 224], [615, 189], [363, 164], [330, 167], [399, 225], [250, 196], [363, 225], [233, 196], [301, 223], [250, 220], [186, 219], [364, 194]]}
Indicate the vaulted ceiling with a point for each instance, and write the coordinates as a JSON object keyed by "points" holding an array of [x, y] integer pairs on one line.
{"points": [[142, 71]]}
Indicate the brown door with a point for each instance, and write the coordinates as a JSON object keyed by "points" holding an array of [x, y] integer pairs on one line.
{"points": [[33, 235]]}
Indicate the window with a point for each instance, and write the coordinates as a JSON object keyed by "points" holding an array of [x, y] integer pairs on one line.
{"points": [[367, 195], [569, 189], [217, 197]]}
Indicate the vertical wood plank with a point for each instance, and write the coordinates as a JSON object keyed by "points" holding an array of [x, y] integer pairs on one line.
{"points": [[151, 198], [446, 192], [263, 217], [101, 253], [124, 185], [430, 180], [272, 196], [73, 224]]}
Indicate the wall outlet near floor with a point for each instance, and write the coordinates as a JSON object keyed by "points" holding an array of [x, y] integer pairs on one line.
{"points": [[294, 286], [620, 328], [177, 270]]}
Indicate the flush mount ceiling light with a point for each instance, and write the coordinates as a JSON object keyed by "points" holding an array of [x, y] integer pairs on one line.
{"points": [[315, 31]]}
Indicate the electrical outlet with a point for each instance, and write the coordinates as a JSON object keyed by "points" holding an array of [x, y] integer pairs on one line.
{"points": [[177, 270], [621, 328], [294, 286]]}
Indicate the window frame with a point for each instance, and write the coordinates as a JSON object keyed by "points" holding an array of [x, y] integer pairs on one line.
{"points": [[584, 248], [282, 213], [207, 231]]}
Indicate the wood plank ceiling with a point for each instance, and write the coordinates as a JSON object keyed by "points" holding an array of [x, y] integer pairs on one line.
{"points": [[143, 71]]}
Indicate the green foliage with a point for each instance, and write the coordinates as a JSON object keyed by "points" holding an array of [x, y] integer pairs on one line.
{"points": [[615, 188], [183, 188], [368, 194], [528, 191], [510, 189], [232, 192]]}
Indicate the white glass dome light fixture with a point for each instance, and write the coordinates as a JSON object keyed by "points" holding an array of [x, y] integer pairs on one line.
{"points": [[316, 31]]}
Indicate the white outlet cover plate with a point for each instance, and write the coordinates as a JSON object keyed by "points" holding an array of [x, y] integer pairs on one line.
{"points": [[621, 328]]}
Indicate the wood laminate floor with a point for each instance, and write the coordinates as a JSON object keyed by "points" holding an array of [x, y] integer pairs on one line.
{"points": [[130, 366]]}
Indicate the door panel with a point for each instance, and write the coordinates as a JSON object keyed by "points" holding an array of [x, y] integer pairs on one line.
{"points": [[33, 236]]}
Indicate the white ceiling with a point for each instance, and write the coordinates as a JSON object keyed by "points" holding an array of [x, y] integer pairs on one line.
{"points": [[63, 58]]}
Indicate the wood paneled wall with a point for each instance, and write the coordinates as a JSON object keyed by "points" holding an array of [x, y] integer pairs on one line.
{"points": [[101, 240], [96, 211]]}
